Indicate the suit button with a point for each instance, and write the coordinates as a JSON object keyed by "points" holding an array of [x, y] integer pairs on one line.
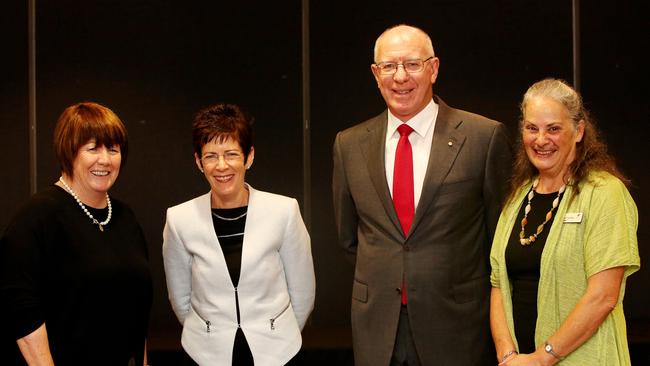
{"points": [[398, 290], [407, 247]]}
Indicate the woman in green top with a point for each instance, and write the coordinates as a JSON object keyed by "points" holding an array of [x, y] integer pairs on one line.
{"points": [[565, 242]]}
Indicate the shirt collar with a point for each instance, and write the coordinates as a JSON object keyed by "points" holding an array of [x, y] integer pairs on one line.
{"points": [[420, 123]]}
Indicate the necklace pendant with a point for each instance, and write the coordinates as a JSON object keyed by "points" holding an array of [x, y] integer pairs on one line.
{"points": [[101, 228]]}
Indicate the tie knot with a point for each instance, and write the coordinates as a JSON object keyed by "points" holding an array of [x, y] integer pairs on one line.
{"points": [[404, 129]]}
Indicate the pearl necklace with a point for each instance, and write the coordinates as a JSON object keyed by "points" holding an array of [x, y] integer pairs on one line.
{"points": [[556, 202], [83, 207]]}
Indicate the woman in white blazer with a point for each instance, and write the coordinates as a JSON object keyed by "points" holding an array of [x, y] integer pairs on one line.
{"points": [[238, 261]]}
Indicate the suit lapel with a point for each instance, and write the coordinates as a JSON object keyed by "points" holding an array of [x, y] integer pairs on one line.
{"points": [[373, 149], [248, 246], [447, 143]]}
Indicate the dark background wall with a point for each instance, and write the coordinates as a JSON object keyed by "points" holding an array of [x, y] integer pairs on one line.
{"points": [[14, 127], [155, 63]]}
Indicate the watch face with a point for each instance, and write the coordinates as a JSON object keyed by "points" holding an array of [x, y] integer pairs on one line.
{"points": [[548, 348]]}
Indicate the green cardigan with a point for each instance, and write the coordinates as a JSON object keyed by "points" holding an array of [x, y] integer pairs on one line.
{"points": [[605, 238]]}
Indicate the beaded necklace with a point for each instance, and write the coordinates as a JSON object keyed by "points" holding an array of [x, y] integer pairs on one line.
{"points": [[556, 202], [83, 207]]}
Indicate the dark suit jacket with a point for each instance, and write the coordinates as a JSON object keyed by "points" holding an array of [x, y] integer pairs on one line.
{"points": [[444, 256]]}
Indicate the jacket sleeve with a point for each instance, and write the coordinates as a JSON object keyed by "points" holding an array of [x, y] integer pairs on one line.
{"points": [[178, 270], [610, 235], [23, 263], [497, 173], [345, 212], [295, 253], [497, 250]]}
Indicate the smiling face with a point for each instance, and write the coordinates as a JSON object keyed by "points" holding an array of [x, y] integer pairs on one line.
{"points": [[223, 164], [550, 137], [94, 171], [405, 94]]}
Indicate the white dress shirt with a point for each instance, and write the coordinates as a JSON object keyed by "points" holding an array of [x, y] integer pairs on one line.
{"points": [[423, 125]]}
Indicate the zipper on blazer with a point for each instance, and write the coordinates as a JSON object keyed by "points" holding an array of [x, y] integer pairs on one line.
{"points": [[208, 324], [237, 306], [272, 320]]}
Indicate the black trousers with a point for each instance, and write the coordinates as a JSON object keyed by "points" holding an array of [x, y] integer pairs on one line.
{"points": [[241, 353], [404, 352]]}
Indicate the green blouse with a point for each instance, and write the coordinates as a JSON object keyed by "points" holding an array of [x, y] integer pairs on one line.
{"points": [[604, 237]]}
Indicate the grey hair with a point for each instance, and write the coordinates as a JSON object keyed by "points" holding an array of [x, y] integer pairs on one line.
{"points": [[591, 152], [559, 91], [428, 46]]}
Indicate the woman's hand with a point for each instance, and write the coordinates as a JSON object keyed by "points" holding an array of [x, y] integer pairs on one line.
{"points": [[537, 358]]}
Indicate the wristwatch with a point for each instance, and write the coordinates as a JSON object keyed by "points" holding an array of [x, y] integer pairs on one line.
{"points": [[549, 349]]}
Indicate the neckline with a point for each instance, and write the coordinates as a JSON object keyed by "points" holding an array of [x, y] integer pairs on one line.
{"points": [[229, 209], [67, 194], [548, 194]]}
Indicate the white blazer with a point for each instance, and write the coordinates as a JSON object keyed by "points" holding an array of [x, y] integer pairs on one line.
{"points": [[276, 285]]}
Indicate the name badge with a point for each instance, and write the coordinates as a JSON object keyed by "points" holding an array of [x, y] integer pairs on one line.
{"points": [[573, 218]]}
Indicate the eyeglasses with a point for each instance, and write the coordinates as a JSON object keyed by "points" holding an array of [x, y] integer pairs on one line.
{"points": [[410, 66], [229, 157]]}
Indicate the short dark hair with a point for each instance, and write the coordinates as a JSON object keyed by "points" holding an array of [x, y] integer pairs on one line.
{"points": [[82, 122], [220, 122]]}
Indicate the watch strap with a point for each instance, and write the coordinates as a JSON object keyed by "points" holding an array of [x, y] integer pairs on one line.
{"points": [[549, 349]]}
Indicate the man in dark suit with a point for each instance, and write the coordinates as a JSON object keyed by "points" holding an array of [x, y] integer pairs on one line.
{"points": [[417, 207]]}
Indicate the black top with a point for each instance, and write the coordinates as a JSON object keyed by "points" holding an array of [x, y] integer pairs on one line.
{"points": [[92, 289], [229, 225], [523, 264]]}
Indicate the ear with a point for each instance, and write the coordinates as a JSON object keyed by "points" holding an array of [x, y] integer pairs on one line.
{"points": [[375, 72], [250, 158], [198, 162], [580, 131], [435, 64]]}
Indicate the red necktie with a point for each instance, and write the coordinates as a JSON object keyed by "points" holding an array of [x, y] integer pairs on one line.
{"points": [[403, 179], [403, 186]]}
